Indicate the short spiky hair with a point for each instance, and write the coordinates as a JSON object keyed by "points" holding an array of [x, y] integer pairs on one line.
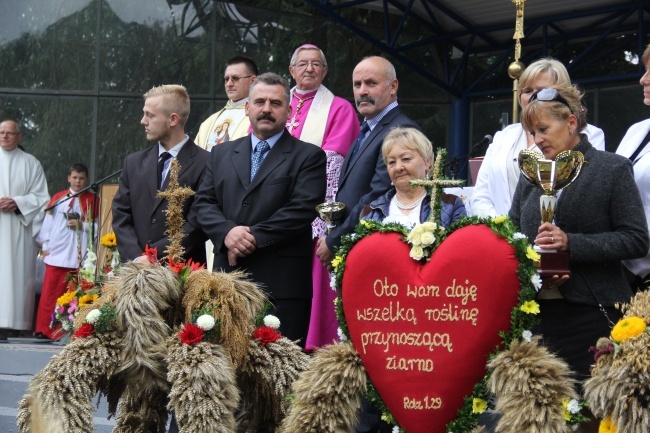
{"points": [[176, 97], [250, 64], [78, 167], [272, 79]]}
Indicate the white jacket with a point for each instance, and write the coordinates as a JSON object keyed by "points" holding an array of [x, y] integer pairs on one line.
{"points": [[491, 196], [629, 144]]}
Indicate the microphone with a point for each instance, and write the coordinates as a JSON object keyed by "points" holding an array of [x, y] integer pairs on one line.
{"points": [[480, 148]]}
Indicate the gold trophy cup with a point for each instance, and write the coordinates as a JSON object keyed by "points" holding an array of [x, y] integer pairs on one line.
{"points": [[330, 212], [551, 176]]}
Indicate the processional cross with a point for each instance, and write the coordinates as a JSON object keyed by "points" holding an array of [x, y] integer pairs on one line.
{"points": [[175, 196], [436, 183]]}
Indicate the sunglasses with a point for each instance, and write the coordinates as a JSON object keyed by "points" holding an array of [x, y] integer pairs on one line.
{"points": [[549, 95]]}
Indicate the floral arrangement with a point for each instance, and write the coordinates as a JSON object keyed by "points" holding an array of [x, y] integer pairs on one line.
{"points": [[617, 390], [98, 320], [268, 331], [109, 242], [423, 240], [83, 287]]}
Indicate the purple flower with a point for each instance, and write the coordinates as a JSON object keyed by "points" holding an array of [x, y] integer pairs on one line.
{"points": [[71, 318], [60, 309]]}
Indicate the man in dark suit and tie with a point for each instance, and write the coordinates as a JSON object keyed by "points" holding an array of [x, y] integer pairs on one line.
{"points": [[364, 176], [257, 202], [138, 214]]}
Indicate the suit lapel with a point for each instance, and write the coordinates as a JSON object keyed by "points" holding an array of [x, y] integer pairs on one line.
{"points": [[348, 164], [241, 161], [274, 158], [150, 168]]}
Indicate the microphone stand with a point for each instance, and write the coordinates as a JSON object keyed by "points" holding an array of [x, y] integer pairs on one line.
{"points": [[92, 186]]}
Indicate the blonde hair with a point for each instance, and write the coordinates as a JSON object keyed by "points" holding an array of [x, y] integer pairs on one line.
{"points": [[554, 68], [556, 109], [410, 138], [177, 100]]}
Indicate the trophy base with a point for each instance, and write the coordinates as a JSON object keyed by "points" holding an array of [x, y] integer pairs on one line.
{"points": [[553, 262]]}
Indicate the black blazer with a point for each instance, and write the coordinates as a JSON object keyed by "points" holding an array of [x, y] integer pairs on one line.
{"points": [[278, 206], [138, 215], [365, 178]]}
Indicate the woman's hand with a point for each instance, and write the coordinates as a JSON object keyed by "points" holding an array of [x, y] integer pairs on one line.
{"points": [[554, 281], [550, 237]]}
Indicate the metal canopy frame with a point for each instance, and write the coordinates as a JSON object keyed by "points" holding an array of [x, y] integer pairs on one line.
{"points": [[542, 35]]}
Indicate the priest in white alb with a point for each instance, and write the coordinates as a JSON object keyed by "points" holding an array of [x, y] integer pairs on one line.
{"points": [[331, 123], [231, 122], [23, 193]]}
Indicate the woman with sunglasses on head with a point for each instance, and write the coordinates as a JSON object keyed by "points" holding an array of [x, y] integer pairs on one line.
{"points": [[634, 146], [599, 221], [499, 173]]}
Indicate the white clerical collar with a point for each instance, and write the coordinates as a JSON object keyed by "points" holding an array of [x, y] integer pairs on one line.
{"points": [[304, 92], [237, 104], [174, 150]]}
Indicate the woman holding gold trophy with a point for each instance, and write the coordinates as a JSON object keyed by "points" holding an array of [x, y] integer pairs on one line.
{"points": [[598, 220]]}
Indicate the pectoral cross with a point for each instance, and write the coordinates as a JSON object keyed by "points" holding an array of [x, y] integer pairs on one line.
{"points": [[175, 196], [293, 123], [436, 184]]}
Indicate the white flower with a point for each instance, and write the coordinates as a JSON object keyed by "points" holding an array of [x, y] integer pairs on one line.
{"points": [[115, 261], [66, 325], [342, 336], [414, 238], [395, 429], [332, 282], [427, 238], [573, 406], [417, 253], [527, 335], [205, 322], [518, 236], [429, 226], [272, 321], [536, 280], [92, 316]]}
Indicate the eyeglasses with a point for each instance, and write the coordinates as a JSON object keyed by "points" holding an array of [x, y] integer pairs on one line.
{"points": [[11, 134], [235, 79], [549, 95], [316, 64]]}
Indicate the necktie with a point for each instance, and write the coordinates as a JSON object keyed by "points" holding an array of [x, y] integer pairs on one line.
{"points": [[362, 134], [161, 166], [258, 156]]}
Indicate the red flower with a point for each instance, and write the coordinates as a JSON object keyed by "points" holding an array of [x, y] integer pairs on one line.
{"points": [[194, 266], [176, 267], [191, 334], [86, 330], [266, 335], [87, 285], [151, 254]]}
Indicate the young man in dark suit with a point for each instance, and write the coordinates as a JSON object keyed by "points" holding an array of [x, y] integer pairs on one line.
{"points": [[138, 214], [257, 202]]}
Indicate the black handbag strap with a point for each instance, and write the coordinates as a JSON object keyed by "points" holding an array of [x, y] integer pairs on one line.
{"points": [[638, 150]]}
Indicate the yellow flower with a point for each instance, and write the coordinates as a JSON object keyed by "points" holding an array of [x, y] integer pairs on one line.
{"points": [[87, 299], [530, 307], [65, 298], [567, 414], [532, 254], [627, 328], [109, 240], [607, 426], [336, 262], [429, 226], [499, 220], [479, 405], [365, 223]]}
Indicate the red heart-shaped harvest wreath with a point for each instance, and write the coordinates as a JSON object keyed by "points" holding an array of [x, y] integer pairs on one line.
{"points": [[424, 332]]}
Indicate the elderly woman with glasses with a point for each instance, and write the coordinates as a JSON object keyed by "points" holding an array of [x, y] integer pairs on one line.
{"points": [[599, 221], [499, 173], [408, 155]]}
